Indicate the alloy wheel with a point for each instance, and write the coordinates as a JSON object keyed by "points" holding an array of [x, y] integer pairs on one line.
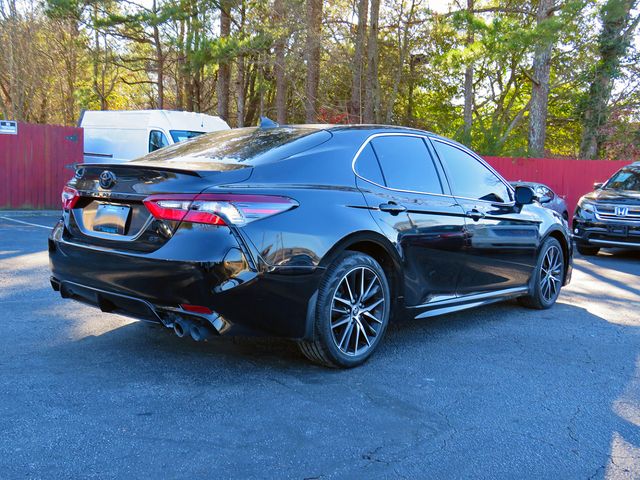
{"points": [[551, 273], [357, 311]]}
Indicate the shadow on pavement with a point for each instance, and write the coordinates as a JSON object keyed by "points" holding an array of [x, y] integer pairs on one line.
{"points": [[488, 393]]}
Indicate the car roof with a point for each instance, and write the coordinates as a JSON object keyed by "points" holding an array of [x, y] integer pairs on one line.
{"points": [[360, 127]]}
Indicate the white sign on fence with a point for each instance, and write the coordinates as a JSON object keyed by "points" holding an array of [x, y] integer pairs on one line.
{"points": [[8, 127]]}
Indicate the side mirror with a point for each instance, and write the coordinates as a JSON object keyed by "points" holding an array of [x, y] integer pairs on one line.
{"points": [[597, 185], [524, 195]]}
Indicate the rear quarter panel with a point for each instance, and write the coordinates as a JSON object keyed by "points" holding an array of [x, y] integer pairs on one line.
{"points": [[330, 206]]}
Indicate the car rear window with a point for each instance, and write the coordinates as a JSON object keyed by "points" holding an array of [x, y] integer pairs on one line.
{"points": [[240, 145]]}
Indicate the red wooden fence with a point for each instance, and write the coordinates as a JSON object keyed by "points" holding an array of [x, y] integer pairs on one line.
{"points": [[568, 178], [32, 168], [32, 165]]}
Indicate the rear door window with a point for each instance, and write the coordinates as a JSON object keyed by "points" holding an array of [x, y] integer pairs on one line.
{"points": [[406, 164]]}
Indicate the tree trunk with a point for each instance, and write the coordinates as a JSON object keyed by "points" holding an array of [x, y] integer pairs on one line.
{"points": [[240, 91], [312, 57], [279, 66], [72, 71], [613, 42], [95, 58], [403, 48], [540, 85], [355, 105], [468, 80], [372, 103], [224, 70]]}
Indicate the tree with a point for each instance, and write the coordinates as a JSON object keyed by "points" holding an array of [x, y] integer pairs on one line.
{"points": [[372, 98], [540, 81], [404, 22], [468, 78], [312, 57], [224, 68], [279, 64], [506, 77], [358, 64], [618, 26]]}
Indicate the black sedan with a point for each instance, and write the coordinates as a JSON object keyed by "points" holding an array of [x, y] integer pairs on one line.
{"points": [[322, 234]]}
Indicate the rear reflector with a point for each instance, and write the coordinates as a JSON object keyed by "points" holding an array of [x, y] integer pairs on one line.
{"points": [[196, 309], [217, 209], [70, 197]]}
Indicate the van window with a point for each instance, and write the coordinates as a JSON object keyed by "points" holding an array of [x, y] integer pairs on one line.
{"points": [[157, 140], [181, 135]]}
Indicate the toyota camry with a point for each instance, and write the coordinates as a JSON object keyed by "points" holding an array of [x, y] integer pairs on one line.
{"points": [[323, 234]]}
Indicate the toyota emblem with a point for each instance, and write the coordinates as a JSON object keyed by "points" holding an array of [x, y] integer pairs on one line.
{"points": [[107, 179]]}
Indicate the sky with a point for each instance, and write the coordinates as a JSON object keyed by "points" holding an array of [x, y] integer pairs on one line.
{"points": [[439, 6]]}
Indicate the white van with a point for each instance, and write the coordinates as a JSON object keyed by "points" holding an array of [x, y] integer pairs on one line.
{"points": [[121, 135]]}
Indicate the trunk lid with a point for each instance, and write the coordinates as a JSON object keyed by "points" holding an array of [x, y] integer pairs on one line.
{"points": [[110, 211]]}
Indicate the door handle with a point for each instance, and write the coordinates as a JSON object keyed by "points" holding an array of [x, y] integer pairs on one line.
{"points": [[392, 208], [475, 214]]}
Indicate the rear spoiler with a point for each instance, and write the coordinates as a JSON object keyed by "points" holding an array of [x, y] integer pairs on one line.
{"points": [[189, 169]]}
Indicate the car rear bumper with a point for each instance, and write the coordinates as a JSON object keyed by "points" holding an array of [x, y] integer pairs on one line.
{"points": [[244, 299], [601, 234]]}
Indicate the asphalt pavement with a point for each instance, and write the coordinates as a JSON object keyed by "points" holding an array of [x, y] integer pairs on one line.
{"points": [[496, 392]]}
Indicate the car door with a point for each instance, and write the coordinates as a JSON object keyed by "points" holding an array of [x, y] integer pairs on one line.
{"points": [[501, 237], [409, 200]]}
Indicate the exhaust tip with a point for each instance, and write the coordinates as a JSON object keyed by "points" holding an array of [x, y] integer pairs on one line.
{"points": [[199, 332], [180, 328]]}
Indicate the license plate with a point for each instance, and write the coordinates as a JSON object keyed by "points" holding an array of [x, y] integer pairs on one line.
{"points": [[111, 218], [619, 230]]}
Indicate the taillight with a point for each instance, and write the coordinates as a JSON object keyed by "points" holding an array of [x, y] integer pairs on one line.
{"points": [[70, 197], [215, 208]]}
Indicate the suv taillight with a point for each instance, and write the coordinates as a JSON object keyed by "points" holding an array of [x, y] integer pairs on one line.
{"points": [[217, 209], [70, 197]]}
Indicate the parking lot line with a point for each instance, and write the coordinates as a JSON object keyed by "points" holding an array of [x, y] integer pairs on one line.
{"points": [[26, 223]]}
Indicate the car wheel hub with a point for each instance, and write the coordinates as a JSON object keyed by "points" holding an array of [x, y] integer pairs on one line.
{"points": [[551, 274], [357, 311]]}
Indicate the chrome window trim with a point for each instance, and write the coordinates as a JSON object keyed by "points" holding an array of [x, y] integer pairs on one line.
{"points": [[429, 137], [392, 134]]}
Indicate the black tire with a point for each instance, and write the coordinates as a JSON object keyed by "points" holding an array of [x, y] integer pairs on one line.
{"points": [[326, 349], [544, 293], [587, 251]]}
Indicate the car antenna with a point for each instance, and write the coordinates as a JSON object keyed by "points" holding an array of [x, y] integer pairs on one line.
{"points": [[266, 122]]}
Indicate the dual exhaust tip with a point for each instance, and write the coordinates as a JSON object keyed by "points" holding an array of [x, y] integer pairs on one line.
{"points": [[183, 328]]}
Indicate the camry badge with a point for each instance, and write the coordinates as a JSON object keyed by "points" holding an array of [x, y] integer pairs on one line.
{"points": [[621, 211], [107, 179]]}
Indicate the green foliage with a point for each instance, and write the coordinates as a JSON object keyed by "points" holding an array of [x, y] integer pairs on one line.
{"points": [[142, 54]]}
